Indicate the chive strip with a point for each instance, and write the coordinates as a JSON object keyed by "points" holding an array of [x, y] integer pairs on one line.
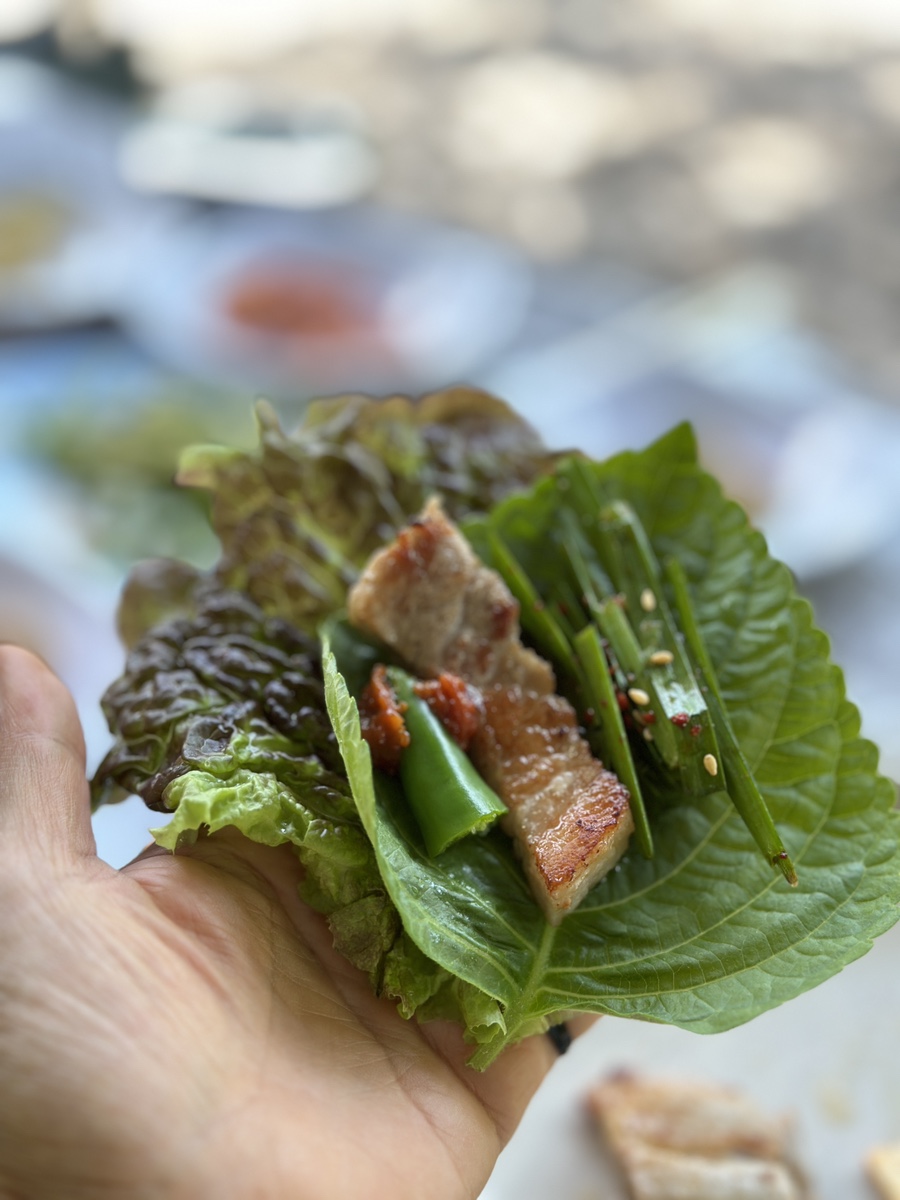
{"points": [[616, 628], [594, 584], [677, 579], [584, 493], [559, 611], [619, 539], [537, 620], [601, 696], [567, 599], [448, 797], [684, 734], [739, 782]]}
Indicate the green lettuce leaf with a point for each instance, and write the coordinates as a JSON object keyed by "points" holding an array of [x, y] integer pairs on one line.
{"points": [[220, 718], [704, 935]]}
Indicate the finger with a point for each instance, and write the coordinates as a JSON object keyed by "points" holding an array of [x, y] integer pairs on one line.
{"points": [[44, 799]]}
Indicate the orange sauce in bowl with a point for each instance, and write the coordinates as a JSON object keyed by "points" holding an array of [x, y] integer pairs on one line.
{"points": [[301, 301]]}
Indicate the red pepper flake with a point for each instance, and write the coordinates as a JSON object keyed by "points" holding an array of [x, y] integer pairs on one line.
{"points": [[455, 704], [301, 301], [680, 719], [622, 700], [695, 730], [381, 719], [649, 717], [589, 716]]}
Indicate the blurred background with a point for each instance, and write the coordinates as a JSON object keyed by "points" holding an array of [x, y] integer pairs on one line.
{"points": [[617, 214]]}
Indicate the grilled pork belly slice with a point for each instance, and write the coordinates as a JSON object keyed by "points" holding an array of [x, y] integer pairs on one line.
{"points": [[569, 815], [883, 1169], [429, 597], [681, 1140]]}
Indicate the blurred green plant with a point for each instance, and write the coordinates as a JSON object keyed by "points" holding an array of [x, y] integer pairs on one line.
{"points": [[121, 465]]}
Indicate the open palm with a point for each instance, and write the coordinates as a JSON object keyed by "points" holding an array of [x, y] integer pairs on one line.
{"points": [[184, 1028]]}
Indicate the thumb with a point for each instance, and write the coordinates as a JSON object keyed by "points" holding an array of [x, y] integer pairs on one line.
{"points": [[44, 796]]}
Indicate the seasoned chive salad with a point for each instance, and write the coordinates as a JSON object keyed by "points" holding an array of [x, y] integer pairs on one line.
{"points": [[696, 671], [607, 620]]}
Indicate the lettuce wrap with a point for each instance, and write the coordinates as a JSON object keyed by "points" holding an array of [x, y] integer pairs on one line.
{"points": [[235, 709]]}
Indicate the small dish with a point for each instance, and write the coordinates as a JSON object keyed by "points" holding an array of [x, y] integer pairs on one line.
{"points": [[381, 301], [68, 225]]}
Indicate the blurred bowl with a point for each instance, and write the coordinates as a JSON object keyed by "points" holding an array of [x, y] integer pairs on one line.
{"points": [[299, 304]]}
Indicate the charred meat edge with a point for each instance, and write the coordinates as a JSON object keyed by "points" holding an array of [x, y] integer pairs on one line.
{"points": [[432, 601]]}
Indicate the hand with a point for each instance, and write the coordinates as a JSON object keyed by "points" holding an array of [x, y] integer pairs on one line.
{"points": [[184, 1028]]}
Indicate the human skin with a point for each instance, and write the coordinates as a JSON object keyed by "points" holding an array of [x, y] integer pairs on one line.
{"points": [[182, 1028]]}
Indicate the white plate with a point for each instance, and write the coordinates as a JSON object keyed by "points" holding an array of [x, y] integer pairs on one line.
{"points": [[58, 147]]}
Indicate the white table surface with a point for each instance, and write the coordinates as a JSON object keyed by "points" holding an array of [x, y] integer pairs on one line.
{"points": [[829, 1059]]}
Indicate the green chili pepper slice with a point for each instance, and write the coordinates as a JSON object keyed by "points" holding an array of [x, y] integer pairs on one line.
{"points": [[447, 796]]}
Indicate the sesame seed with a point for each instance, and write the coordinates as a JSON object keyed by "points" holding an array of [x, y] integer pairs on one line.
{"points": [[661, 658], [638, 696], [648, 600], [648, 735], [711, 764]]}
